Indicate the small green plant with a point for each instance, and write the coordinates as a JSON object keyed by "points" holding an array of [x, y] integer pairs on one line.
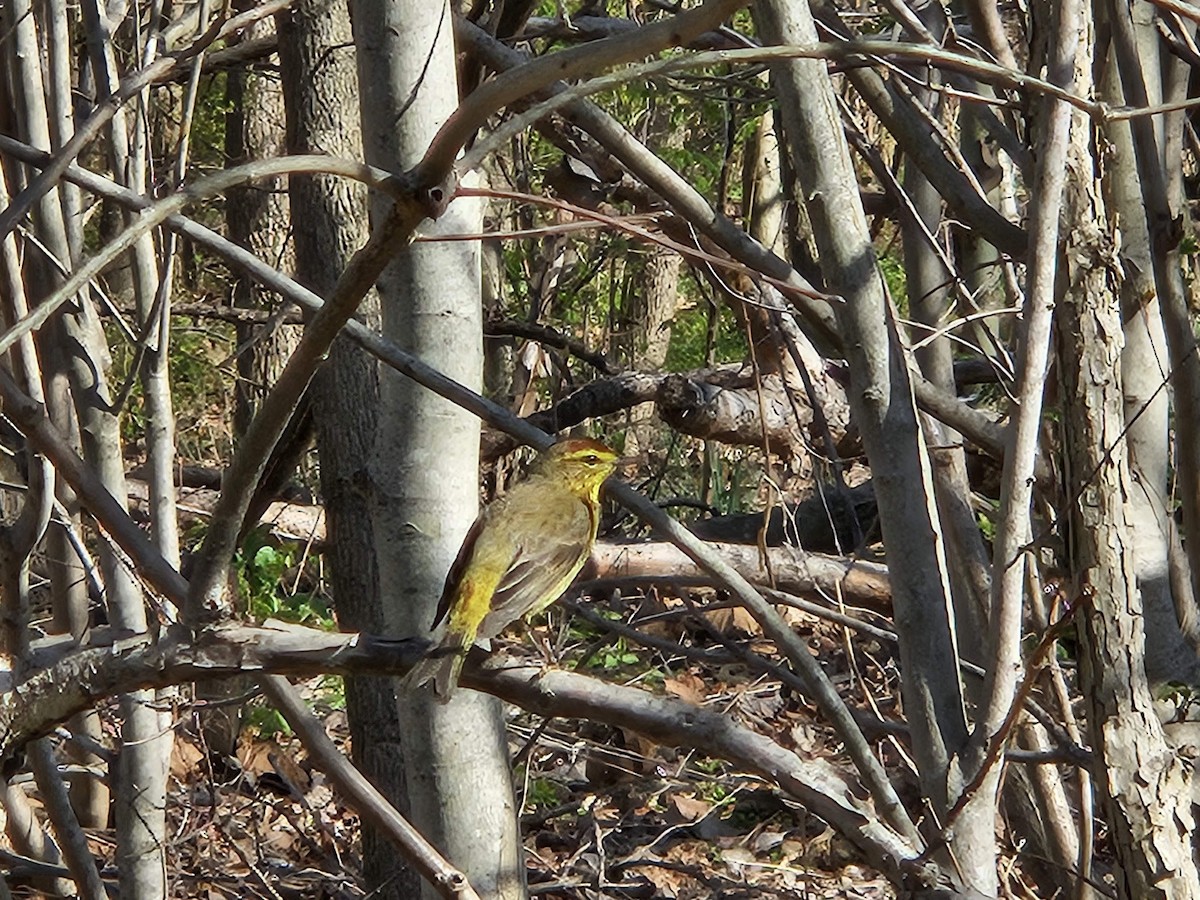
{"points": [[892, 269], [712, 791], [261, 567], [612, 656], [266, 720], [330, 692], [543, 793]]}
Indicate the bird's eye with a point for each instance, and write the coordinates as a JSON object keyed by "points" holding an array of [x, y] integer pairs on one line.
{"points": [[591, 459]]}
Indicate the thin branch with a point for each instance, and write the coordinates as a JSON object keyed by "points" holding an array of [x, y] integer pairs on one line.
{"points": [[551, 337], [695, 209], [130, 87], [618, 223], [75, 681], [71, 840], [1013, 529], [1187, 10], [493, 96], [366, 799], [207, 589], [158, 212]]}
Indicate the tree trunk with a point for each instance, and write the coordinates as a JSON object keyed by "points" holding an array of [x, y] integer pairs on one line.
{"points": [[256, 217], [1144, 788], [1144, 368], [319, 84], [425, 465], [140, 776], [650, 325], [881, 401], [90, 796]]}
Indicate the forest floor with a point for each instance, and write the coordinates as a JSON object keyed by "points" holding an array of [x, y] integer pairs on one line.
{"points": [[604, 812], [630, 822]]}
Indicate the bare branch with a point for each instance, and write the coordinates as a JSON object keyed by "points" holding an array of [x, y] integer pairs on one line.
{"points": [[495, 95], [368, 802], [157, 213], [790, 568], [129, 87], [78, 679]]}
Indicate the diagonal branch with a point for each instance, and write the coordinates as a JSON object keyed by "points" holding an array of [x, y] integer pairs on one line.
{"points": [[149, 562], [75, 681], [130, 87], [691, 206], [493, 96], [156, 213]]}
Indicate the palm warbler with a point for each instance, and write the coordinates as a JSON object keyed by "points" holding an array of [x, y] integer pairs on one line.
{"points": [[521, 554]]}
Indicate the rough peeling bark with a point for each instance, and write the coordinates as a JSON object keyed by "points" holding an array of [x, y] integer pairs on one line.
{"points": [[1144, 788]]}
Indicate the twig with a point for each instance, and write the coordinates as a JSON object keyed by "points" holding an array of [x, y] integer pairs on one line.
{"points": [[1020, 461], [71, 839], [364, 797], [493, 96], [130, 87], [77, 680], [551, 337], [156, 213]]}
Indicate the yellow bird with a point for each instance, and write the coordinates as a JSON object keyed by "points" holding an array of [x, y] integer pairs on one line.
{"points": [[520, 556]]}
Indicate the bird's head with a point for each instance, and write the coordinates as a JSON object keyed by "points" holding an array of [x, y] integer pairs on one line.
{"points": [[583, 463]]}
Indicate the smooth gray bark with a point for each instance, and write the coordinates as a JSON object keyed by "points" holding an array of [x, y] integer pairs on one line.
{"points": [[880, 399], [141, 776], [425, 464], [90, 796]]}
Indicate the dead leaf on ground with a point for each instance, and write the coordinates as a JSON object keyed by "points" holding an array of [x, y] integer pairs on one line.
{"points": [[185, 759], [689, 808], [687, 686], [732, 622]]}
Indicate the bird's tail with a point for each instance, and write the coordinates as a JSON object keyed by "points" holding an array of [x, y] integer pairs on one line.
{"points": [[442, 666]]}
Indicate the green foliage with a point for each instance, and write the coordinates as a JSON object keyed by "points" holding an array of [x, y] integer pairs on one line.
{"points": [[261, 566], [611, 656], [733, 487], [199, 390], [689, 339], [543, 793], [987, 527], [733, 483], [208, 123], [331, 692], [1183, 696], [892, 269], [714, 792], [267, 721]]}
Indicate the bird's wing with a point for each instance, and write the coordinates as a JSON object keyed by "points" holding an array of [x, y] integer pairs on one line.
{"points": [[457, 569], [539, 574], [530, 585]]}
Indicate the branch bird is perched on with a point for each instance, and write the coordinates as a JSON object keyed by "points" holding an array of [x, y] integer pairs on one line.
{"points": [[521, 554]]}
